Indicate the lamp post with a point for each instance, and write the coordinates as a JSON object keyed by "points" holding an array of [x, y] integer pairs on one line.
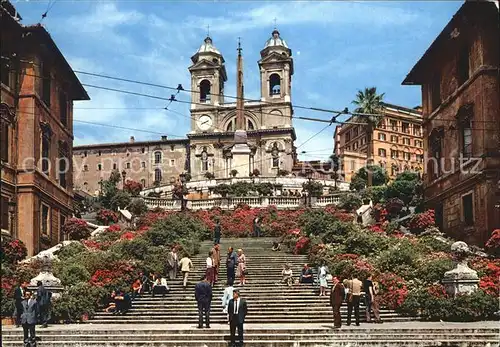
{"points": [[12, 212], [182, 178], [309, 173], [335, 168], [124, 175]]}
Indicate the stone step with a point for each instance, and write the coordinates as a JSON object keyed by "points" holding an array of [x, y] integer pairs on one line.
{"points": [[221, 319]]}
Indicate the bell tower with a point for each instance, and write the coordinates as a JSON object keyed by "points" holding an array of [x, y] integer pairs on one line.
{"points": [[276, 70], [208, 75]]}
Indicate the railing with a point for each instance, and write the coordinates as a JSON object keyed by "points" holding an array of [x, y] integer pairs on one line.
{"points": [[281, 202]]}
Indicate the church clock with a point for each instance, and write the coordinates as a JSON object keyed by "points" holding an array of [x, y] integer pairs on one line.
{"points": [[204, 122]]}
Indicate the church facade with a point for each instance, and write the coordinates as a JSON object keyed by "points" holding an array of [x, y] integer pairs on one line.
{"points": [[209, 146]]}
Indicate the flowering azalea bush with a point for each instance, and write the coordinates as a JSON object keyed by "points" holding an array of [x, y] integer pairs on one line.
{"points": [[132, 187], [422, 221], [106, 216], [13, 250], [302, 245], [76, 229], [493, 244], [393, 290]]}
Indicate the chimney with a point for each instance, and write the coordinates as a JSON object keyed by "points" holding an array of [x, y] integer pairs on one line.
{"points": [[132, 139], [164, 138]]}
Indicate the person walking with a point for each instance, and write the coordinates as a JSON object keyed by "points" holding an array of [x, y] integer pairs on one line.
{"points": [[217, 232], [173, 263], [242, 268], [231, 263], [203, 296], [18, 298], [256, 227], [323, 281], [43, 297], [370, 300], [354, 286], [210, 271], [336, 297], [186, 266], [226, 297], [29, 315], [237, 309], [216, 261]]}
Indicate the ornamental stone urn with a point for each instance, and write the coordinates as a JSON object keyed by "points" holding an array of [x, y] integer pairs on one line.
{"points": [[49, 281], [462, 279]]}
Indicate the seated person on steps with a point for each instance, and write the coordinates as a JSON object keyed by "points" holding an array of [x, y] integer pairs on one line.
{"points": [[306, 275], [160, 286], [123, 302], [287, 275]]}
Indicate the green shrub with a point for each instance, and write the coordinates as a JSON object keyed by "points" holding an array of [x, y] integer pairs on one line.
{"points": [[400, 258], [432, 271], [72, 274], [137, 248], [365, 242], [350, 202], [71, 250], [76, 301], [175, 227], [316, 222]]}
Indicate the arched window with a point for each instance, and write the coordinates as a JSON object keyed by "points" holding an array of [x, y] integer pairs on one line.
{"points": [[157, 157], [158, 175], [231, 126], [275, 154], [204, 159], [85, 186], [63, 162], [250, 125], [85, 168], [274, 84], [205, 91], [46, 136]]}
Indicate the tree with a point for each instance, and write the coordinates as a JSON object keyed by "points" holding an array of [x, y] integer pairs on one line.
{"points": [[360, 179], [369, 102], [404, 187], [138, 207], [209, 176], [132, 187]]}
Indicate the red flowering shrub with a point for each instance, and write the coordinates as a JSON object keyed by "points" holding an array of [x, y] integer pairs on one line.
{"points": [[93, 244], [76, 229], [422, 221], [106, 217], [393, 290], [376, 229], [132, 187], [493, 244], [13, 250], [114, 228], [437, 291], [128, 235], [302, 245], [6, 296], [116, 274], [489, 274], [347, 265]]}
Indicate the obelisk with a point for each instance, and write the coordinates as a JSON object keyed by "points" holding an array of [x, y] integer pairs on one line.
{"points": [[240, 151]]}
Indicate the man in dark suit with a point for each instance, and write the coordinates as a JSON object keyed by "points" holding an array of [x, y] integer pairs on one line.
{"points": [[203, 296], [231, 264], [28, 319], [43, 297], [19, 297], [237, 310], [336, 297]]}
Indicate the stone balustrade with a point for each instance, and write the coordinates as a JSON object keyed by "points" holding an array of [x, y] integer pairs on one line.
{"points": [[281, 202]]}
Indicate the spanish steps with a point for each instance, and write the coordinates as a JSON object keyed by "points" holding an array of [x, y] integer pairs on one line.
{"points": [[278, 315]]}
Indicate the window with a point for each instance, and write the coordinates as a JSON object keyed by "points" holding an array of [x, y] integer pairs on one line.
{"points": [[85, 168], [436, 92], [363, 141], [157, 175], [382, 152], [128, 165], [394, 170], [62, 221], [143, 182], [63, 108], [355, 132], [394, 139], [355, 145], [382, 124], [463, 65], [205, 91], [99, 167], [466, 137], [5, 213], [86, 186], [347, 136], [46, 136], [406, 141], [353, 165], [417, 130], [115, 166], [45, 220], [46, 84], [406, 127], [420, 158], [172, 162], [274, 84], [204, 159], [394, 125], [435, 144], [381, 136], [4, 140], [63, 161], [157, 157], [143, 164], [468, 210], [394, 154], [5, 73], [231, 126], [418, 143], [406, 156]]}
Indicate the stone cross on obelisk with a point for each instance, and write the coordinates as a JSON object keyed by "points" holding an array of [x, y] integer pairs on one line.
{"points": [[240, 151]]}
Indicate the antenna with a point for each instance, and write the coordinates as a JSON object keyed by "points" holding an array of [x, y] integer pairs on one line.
{"points": [[208, 30], [239, 46], [274, 22]]}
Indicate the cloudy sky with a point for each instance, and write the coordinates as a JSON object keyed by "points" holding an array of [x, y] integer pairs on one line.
{"points": [[338, 48]]}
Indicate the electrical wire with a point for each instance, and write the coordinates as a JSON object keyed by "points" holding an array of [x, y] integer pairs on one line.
{"points": [[49, 7]]}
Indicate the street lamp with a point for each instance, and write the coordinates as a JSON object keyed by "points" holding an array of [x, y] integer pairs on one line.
{"points": [[182, 178], [309, 174], [12, 211], [124, 174]]}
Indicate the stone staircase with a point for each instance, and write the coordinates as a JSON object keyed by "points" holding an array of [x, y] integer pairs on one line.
{"points": [[269, 302], [279, 316]]}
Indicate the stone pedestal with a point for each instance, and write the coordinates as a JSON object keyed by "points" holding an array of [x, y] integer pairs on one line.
{"points": [[49, 281], [462, 279], [241, 153]]}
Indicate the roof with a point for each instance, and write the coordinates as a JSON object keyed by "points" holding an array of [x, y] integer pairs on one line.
{"points": [[414, 77], [275, 40], [207, 47], [79, 93], [129, 144], [10, 9]]}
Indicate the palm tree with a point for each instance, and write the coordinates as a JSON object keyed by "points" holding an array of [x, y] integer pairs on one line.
{"points": [[370, 103]]}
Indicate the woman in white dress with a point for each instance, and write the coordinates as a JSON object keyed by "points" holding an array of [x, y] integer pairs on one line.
{"points": [[323, 282], [226, 297]]}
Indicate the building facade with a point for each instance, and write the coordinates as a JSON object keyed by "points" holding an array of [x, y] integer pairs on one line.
{"points": [[38, 88], [460, 75], [397, 142], [151, 163]]}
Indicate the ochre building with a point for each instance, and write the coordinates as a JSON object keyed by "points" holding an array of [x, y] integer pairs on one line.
{"points": [[38, 88], [459, 75]]}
